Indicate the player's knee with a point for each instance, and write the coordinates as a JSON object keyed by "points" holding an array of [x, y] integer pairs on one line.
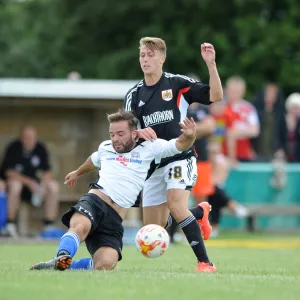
{"points": [[105, 264], [175, 208], [178, 211], [81, 229]]}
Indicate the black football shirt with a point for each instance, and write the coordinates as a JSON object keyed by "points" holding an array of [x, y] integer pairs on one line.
{"points": [[163, 105]]}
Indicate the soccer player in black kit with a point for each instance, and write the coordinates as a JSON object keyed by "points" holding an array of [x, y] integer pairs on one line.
{"points": [[160, 101]]}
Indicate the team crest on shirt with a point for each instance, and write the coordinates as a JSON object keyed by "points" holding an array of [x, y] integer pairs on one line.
{"points": [[167, 95], [135, 155]]}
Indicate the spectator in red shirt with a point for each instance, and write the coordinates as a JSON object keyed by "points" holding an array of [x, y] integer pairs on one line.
{"points": [[241, 121]]}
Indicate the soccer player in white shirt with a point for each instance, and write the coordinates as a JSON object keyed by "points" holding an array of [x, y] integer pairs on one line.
{"points": [[97, 217]]}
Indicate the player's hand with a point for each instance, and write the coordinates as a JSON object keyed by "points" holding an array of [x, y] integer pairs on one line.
{"points": [[147, 134], [71, 179], [188, 127], [208, 53]]}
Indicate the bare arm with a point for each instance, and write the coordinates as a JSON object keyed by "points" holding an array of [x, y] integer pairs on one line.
{"points": [[86, 167], [188, 136], [237, 133], [209, 56], [245, 132], [206, 127]]}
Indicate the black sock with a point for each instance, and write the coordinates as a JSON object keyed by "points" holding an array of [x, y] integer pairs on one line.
{"points": [[47, 222], [172, 229], [191, 230], [197, 212], [169, 222]]}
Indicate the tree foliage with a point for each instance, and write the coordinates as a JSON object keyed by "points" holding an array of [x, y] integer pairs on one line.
{"points": [[257, 39]]}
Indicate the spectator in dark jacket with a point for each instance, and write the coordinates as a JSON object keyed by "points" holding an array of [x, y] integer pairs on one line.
{"points": [[269, 103]]}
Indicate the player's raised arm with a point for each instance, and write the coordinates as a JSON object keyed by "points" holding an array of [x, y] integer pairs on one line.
{"points": [[188, 136], [89, 165], [209, 56]]}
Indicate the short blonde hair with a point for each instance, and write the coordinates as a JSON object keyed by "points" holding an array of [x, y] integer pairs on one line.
{"points": [[236, 79], [292, 99], [154, 43]]}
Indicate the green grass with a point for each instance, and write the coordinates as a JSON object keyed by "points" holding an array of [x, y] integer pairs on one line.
{"points": [[243, 273]]}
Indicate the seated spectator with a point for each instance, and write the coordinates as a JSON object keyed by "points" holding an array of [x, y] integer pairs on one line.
{"points": [[240, 122], [270, 108], [219, 199], [23, 159]]}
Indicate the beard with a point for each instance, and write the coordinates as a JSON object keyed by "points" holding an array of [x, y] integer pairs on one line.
{"points": [[123, 148]]}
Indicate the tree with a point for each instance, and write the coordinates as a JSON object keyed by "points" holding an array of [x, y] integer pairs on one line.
{"points": [[256, 39]]}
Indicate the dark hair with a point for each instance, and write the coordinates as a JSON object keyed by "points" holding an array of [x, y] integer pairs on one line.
{"points": [[122, 115]]}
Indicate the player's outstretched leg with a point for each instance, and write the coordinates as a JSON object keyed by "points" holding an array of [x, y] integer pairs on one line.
{"points": [[80, 226], [60, 263], [178, 203], [82, 264], [105, 258]]}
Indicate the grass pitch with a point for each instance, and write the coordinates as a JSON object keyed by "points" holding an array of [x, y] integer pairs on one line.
{"points": [[248, 267]]}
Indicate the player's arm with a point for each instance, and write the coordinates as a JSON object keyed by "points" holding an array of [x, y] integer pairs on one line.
{"points": [[188, 136], [195, 91], [163, 148], [91, 164], [209, 55]]}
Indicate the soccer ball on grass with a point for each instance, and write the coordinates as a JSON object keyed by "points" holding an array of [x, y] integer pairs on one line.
{"points": [[152, 240]]}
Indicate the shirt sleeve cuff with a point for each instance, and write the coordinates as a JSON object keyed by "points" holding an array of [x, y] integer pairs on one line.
{"points": [[173, 145], [95, 161]]}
